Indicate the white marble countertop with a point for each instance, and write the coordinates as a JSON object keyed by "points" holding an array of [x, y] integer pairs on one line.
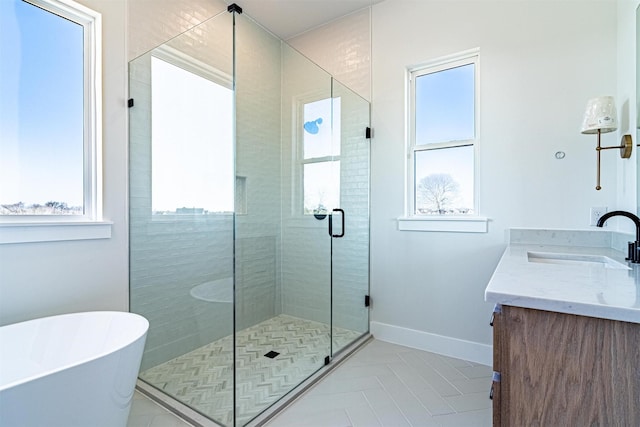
{"points": [[586, 289]]}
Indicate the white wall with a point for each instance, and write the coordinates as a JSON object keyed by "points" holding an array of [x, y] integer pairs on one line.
{"points": [[39, 279], [537, 71]]}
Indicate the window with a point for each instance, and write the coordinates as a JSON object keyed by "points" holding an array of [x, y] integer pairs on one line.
{"points": [[321, 155], [49, 111], [443, 99], [192, 137]]}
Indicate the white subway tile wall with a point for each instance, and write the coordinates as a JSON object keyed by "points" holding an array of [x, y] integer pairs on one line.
{"points": [[153, 22], [343, 48]]}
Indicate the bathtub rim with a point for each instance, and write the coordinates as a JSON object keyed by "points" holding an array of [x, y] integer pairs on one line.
{"points": [[141, 324]]}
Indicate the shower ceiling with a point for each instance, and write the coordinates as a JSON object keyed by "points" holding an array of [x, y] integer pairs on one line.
{"points": [[288, 18]]}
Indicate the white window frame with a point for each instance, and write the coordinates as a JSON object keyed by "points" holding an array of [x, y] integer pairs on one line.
{"points": [[298, 205], [39, 228], [455, 223]]}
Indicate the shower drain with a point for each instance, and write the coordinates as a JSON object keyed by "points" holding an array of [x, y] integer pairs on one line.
{"points": [[272, 354]]}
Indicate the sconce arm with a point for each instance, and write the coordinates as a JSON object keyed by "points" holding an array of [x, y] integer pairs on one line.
{"points": [[626, 146]]}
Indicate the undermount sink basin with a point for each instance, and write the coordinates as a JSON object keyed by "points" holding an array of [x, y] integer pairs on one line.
{"points": [[576, 259]]}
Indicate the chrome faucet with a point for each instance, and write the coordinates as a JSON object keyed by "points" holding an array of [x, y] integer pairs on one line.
{"points": [[633, 254]]}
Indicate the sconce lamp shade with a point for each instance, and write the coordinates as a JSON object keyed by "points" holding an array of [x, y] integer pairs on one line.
{"points": [[600, 115]]}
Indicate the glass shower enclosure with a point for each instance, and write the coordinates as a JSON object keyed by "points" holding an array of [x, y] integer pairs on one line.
{"points": [[249, 217]]}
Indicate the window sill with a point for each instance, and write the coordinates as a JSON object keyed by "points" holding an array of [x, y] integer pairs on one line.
{"points": [[31, 232], [456, 224]]}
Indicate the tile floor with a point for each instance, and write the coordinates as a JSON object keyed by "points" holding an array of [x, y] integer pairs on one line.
{"points": [[381, 385], [203, 378], [147, 413]]}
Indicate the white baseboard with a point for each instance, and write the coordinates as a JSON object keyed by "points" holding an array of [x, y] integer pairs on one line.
{"points": [[447, 346]]}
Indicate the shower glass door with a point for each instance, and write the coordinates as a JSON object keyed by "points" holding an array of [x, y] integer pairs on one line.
{"points": [[282, 266], [181, 203], [350, 223]]}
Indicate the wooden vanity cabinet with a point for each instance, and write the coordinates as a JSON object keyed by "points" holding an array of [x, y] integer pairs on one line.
{"points": [[560, 369]]}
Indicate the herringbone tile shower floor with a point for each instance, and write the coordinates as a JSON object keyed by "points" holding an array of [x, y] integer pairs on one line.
{"points": [[203, 378]]}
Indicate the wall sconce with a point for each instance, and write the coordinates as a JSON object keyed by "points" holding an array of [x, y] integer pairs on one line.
{"points": [[600, 117]]}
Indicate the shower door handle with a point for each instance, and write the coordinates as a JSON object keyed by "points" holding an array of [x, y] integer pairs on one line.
{"points": [[331, 223]]}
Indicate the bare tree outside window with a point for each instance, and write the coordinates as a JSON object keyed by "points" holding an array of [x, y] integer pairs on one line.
{"points": [[437, 193]]}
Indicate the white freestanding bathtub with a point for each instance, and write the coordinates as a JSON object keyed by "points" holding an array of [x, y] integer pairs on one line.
{"points": [[75, 369]]}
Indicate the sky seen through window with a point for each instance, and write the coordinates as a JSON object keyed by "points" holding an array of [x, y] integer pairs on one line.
{"points": [[41, 107]]}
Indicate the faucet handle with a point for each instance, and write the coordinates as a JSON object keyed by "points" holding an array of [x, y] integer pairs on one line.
{"points": [[634, 252]]}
